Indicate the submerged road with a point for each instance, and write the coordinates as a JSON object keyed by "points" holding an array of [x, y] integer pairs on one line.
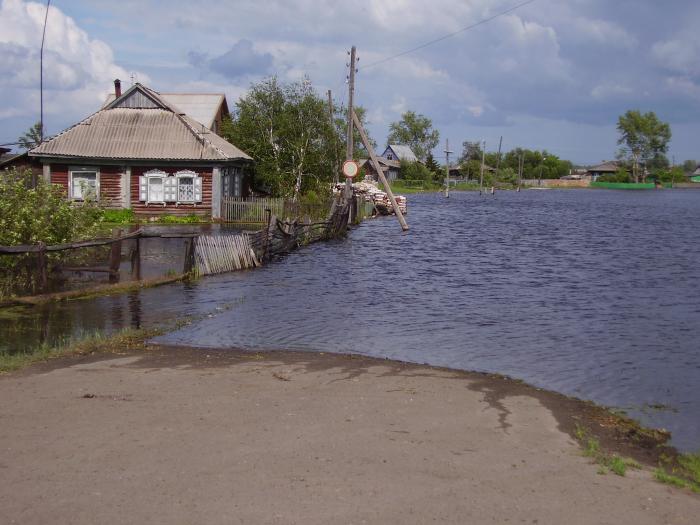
{"points": [[179, 436]]}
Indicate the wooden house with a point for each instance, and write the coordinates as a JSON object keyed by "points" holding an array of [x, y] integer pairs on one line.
{"points": [[141, 151], [606, 168], [390, 168]]}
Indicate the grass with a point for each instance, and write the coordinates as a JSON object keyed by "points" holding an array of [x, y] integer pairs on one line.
{"points": [[606, 462], [125, 340], [129, 217], [682, 471]]}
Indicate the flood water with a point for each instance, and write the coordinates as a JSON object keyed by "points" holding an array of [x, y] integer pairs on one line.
{"points": [[590, 293]]}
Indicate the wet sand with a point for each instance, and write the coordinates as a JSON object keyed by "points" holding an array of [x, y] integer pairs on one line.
{"points": [[199, 436]]}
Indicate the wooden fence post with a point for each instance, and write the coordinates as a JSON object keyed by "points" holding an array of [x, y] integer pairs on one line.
{"points": [[136, 260], [41, 268], [115, 257], [189, 256]]}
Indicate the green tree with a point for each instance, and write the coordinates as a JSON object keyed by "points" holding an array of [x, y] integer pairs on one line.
{"points": [[431, 164], [644, 137], [286, 129], [621, 175], [415, 171], [689, 166], [31, 138], [341, 124], [470, 151], [415, 131]]}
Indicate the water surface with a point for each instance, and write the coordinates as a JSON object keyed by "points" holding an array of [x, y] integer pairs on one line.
{"points": [[590, 293]]}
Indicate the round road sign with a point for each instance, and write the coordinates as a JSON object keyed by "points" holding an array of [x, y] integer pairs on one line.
{"points": [[350, 168]]}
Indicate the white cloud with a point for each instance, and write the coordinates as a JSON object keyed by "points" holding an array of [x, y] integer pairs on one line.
{"points": [[78, 70], [679, 54]]}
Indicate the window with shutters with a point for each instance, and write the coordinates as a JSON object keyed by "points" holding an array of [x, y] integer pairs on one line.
{"points": [[158, 187], [84, 183], [189, 187]]}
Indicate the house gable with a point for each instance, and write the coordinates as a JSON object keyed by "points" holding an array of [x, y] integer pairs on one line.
{"points": [[138, 97]]}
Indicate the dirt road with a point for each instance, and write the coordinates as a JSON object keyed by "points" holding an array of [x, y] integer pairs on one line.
{"points": [[181, 436]]}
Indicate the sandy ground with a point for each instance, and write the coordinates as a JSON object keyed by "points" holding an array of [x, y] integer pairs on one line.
{"points": [[183, 436]]}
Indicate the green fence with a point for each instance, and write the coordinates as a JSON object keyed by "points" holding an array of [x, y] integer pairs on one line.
{"points": [[624, 185]]}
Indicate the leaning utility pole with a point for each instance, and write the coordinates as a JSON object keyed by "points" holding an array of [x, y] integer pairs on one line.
{"points": [[447, 168], [380, 171], [331, 114]]}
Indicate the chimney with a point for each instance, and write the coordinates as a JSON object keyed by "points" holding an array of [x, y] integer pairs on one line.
{"points": [[117, 88]]}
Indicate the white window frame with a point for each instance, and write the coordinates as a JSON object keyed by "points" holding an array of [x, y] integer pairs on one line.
{"points": [[81, 171], [152, 174], [188, 174], [169, 179]]}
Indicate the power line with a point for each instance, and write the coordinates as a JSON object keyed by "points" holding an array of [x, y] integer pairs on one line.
{"points": [[449, 35]]}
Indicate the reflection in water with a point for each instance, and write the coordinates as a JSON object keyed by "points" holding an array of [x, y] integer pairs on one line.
{"points": [[591, 293]]}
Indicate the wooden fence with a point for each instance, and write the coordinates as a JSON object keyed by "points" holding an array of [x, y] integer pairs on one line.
{"points": [[204, 254], [254, 210], [224, 253]]}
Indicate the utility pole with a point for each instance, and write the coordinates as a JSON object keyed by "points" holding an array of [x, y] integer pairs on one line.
{"points": [[41, 75], [447, 168], [498, 164], [521, 165], [331, 114], [481, 174], [351, 112], [351, 94], [539, 180]]}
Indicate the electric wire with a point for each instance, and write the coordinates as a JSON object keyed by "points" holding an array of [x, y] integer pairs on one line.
{"points": [[449, 35]]}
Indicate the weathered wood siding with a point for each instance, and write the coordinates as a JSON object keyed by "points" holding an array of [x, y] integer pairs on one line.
{"points": [[201, 208], [110, 182], [59, 175], [111, 186]]}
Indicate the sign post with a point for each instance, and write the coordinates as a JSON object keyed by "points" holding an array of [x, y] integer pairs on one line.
{"points": [[350, 169]]}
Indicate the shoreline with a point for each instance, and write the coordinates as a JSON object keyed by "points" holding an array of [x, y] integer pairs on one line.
{"points": [[617, 433], [186, 435]]}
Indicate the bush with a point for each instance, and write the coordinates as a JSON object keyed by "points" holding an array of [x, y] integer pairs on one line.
{"points": [[415, 171], [29, 215], [620, 176], [118, 216]]}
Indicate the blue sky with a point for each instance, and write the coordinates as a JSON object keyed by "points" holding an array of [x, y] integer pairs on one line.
{"points": [[554, 74]]}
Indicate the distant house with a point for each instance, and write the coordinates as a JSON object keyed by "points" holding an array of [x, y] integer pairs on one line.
{"points": [[606, 168], [141, 151], [399, 152], [389, 167]]}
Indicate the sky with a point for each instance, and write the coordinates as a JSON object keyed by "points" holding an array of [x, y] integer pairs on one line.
{"points": [[553, 74]]}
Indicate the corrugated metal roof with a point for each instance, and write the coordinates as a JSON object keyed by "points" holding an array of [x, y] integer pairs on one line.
{"points": [[145, 134], [403, 152], [611, 166], [201, 107]]}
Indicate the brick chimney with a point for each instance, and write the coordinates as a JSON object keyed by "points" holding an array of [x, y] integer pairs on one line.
{"points": [[117, 88]]}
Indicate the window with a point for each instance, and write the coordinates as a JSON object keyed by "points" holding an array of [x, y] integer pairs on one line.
{"points": [[389, 156], [185, 189], [84, 183], [232, 182], [158, 187]]}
